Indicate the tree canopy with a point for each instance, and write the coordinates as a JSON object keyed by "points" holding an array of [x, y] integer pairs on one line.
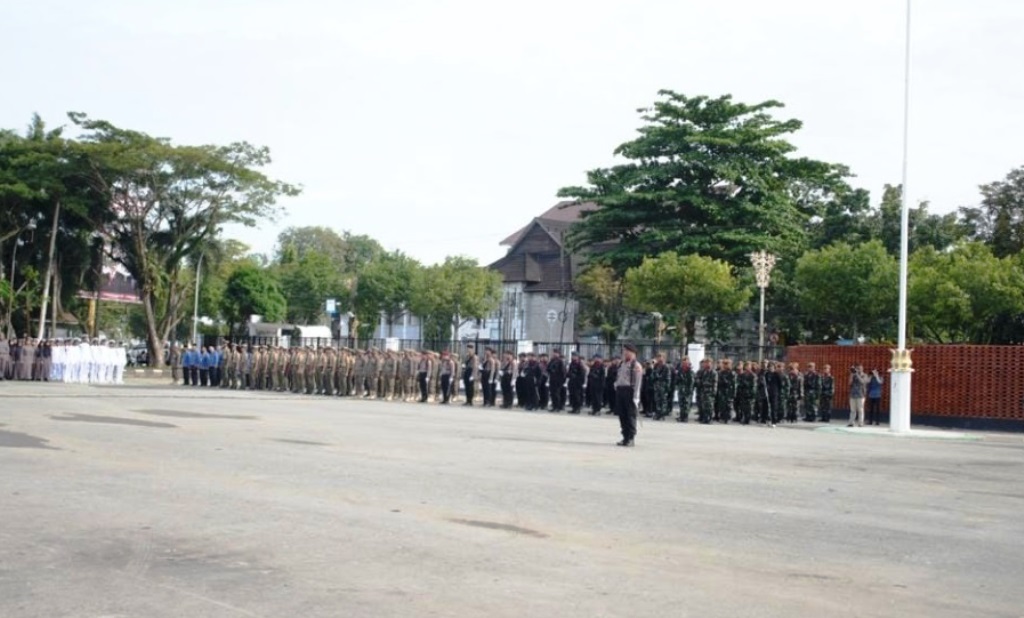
{"points": [[167, 202], [385, 287], [965, 295], [449, 294], [684, 289], [846, 290], [251, 290], [708, 176]]}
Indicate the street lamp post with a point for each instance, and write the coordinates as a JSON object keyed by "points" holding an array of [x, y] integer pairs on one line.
{"points": [[195, 307], [902, 368], [763, 263]]}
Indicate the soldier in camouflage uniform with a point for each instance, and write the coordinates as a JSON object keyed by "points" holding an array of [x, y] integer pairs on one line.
{"points": [[780, 411], [828, 392], [796, 392], [661, 385], [725, 396], [762, 394], [706, 384], [812, 393], [684, 381], [746, 392]]}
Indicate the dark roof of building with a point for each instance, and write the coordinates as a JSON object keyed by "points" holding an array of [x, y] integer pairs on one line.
{"points": [[556, 220]]}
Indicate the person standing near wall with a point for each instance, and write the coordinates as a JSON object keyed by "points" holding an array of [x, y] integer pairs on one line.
{"points": [[875, 398], [858, 389]]}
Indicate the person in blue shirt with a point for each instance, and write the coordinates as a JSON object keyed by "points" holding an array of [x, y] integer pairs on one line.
{"points": [[188, 366], [204, 366], [875, 398], [216, 355]]}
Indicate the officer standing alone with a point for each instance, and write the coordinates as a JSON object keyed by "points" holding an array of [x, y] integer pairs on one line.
{"points": [[628, 381]]}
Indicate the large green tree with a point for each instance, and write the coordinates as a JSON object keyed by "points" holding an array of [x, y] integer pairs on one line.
{"points": [[999, 220], [448, 295], [966, 295], [926, 229], [848, 291], [600, 293], [684, 289], [167, 203], [385, 288], [308, 282], [43, 180], [251, 290], [349, 252], [707, 176]]}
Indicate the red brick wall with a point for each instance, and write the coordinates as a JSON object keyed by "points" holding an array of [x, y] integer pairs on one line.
{"points": [[984, 382]]}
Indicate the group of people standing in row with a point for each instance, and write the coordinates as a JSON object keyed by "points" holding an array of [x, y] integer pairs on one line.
{"points": [[73, 361], [770, 392]]}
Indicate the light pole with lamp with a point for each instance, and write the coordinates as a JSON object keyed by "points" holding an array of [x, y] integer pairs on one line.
{"points": [[763, 263], [195, 307], [902, 368], [18, 242]]}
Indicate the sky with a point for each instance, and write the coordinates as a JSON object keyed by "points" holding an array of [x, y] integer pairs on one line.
{"points": [[439, 127]]}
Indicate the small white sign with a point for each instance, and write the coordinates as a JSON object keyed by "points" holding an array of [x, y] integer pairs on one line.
{"points": [[552, 316], [332, 306]]}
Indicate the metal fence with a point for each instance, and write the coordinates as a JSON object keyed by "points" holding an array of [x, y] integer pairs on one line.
{"points": [[645, 348]]}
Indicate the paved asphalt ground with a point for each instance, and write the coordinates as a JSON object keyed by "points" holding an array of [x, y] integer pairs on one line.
{"points": [[151, 502]]}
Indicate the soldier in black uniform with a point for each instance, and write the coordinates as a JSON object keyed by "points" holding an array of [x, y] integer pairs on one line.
{"points": [[521, 367], [557, 375], [577, 376], [543, 382], [532, 376], [595, 385], [487, 373], [508, 374], [609, 383]]}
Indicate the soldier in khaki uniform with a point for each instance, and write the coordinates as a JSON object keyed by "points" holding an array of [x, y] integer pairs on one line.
{"points": [[311, 370], [227, 359], [435, 375], [409, 363], [298, 370], [358, 367], [280, 362], [174, 360], [289, 371], [374, 374], [389, 367], [327, 373], [259, 368]]}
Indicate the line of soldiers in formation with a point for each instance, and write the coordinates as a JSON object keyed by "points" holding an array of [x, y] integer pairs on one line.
{"points": [[769, 392], [73, 361]]}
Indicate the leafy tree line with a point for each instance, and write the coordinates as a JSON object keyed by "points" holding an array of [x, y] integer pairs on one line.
{"points": [[313, 264], [157, 209], [711, 179]]}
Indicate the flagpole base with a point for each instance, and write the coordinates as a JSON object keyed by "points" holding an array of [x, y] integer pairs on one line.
{"points": [[901, 375]]}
